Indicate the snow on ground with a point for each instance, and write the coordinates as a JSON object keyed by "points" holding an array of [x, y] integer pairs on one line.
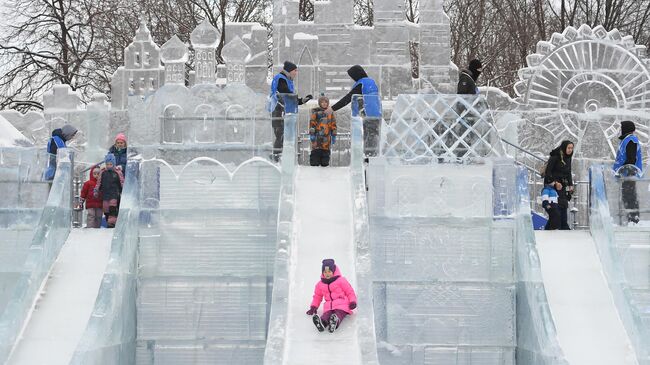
{"points": [[10, 136], [61, 313], [323, 229], [589, 329]]}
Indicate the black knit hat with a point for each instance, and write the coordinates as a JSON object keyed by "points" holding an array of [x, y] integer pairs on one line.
{"points": [[475, 64], [627, 127], [288, 66]]}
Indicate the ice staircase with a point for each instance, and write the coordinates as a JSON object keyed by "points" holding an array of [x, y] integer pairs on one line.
{"points": [[583, 309], [53, 330], [323, 228]]}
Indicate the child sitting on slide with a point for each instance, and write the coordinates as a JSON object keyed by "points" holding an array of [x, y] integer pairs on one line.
{"points": [[340, 298]]}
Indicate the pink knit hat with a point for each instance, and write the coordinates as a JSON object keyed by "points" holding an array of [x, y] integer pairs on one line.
{"points": [[120, 137]]}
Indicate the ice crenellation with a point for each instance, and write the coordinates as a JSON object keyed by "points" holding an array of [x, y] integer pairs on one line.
{"points": [[207, 255]]}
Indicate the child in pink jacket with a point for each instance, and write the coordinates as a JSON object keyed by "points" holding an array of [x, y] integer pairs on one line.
{"points": [[339, 296]]}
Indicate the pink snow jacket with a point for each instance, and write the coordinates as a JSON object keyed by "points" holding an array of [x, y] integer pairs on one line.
{"points": [[338, 293]]}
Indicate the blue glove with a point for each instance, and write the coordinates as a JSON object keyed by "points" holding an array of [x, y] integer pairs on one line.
{"points": [[312, 137], [333, 139]]}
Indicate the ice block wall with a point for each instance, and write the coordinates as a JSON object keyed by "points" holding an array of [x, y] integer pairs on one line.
{"points": [[444, 286], [206, 255], [20, 210]]}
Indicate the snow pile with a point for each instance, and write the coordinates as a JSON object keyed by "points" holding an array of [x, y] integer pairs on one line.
{"points": [[10, 136]]}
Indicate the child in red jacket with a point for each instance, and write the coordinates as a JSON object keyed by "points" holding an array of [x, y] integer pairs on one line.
{"points": [[93, 205], [339, 296]]}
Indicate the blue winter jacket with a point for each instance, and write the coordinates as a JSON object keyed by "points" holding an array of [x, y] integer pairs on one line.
{"points": [[621, 156], [274, 97], [371, 102]]}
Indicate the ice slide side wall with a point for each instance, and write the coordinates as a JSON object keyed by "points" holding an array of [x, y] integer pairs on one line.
{"points": [[628, 295], [49, 236], [537, 342]]}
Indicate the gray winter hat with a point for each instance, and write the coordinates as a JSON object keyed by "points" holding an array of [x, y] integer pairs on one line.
{"points": [[68, 132]]}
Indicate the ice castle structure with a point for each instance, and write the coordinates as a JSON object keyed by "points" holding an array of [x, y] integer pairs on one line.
{"points": [[217, 248]]}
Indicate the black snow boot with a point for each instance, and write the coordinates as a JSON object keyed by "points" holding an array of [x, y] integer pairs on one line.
{"points": [[318, 323], [334, 323]]}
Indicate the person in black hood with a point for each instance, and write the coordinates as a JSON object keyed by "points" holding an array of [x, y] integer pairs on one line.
{"points": [[367, 107], [59, 139], [468, 77], [558, 174]]}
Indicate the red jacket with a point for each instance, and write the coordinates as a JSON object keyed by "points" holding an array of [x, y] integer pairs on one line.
{"points": [[87, 192]]}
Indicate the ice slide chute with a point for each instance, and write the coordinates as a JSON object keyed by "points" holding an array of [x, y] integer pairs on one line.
{"points": [[589, 329], [60, 315], [323, 216], [49, 235]]}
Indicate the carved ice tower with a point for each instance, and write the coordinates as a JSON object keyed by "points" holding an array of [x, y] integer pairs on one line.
{"points": [[174, 55], [141, 74], [205, 39]]}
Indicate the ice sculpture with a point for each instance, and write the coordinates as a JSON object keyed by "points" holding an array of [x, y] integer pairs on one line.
{"points": [[432, 128], [579, 85]]}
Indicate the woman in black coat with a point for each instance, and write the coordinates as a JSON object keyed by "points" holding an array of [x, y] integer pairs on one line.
{"points": [[558, 173]]}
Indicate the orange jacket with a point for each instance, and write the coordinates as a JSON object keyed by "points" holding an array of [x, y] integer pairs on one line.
{"points": [[322, 128]]}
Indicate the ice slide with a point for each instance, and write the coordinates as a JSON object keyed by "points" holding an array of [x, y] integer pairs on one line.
{"points": [[66, 300], [322, 229], [589, 329]]}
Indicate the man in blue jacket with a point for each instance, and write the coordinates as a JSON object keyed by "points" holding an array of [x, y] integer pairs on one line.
{"points": [[282, 84], [629, 163], [368, 107], [59, 139]]}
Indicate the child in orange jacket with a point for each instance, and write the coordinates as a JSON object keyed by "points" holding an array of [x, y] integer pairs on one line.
{"points": [[322, 133]]}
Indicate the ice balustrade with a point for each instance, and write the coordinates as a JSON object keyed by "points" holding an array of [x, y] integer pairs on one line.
{"points": [[366, 334], [110, 334], [624, 260], [49, 235], [233, 116], [274, 352], [443, 267], [440, 128], [537, 342]]}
